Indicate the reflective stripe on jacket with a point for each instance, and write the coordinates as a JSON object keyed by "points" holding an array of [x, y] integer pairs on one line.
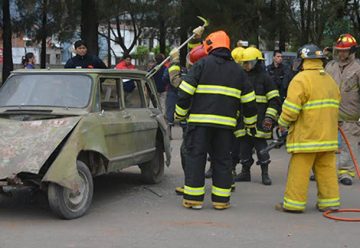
{"points": [[311, 110], [216, 92], [268, 101]]}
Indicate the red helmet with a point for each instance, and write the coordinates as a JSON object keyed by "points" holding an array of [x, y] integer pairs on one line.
{"points": [[196, 54], [216, 40], [345, 42]]}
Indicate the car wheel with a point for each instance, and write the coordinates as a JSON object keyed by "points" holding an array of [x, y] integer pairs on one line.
{"points": [[153, 171], [68, 204]]}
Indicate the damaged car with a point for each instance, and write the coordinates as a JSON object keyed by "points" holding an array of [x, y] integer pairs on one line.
{"points": [[61, 128]]}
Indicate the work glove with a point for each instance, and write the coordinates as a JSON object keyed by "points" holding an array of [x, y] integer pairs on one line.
{"points": [[174, 55], [198, 32], [267, 124]]}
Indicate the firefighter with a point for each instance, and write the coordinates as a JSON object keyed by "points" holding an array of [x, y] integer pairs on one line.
{"points": [[310, 112], [346, 72], [211, 95], [268, 107], [236, 54]]}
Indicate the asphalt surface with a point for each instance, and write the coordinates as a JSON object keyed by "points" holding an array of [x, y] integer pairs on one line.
{"points": [[126, 213]]}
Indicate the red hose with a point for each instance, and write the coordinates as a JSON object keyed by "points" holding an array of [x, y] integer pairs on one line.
{"points": [[328, 214]]}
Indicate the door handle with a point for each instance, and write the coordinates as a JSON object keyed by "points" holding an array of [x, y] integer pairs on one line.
{"points": [[152, 115], [126, 116]]}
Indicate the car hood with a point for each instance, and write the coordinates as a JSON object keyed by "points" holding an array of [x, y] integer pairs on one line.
{"points": [[26, 145]]}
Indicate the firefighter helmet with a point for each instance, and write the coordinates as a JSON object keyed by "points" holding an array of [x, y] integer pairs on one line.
{"points": [[251, 53], [196, 54], [310, 51], [345, 42], [216, 40], [237, 54]]}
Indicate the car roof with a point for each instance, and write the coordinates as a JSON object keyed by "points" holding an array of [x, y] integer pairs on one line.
{"points": [[81, 71]]}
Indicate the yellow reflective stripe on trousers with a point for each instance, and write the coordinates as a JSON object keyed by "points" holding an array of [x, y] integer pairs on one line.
{"points": [[221, 191], [174, 68], [332, 202], [291, 204], [188, 88], [250, 120], [291, 106], [271, 111], [213, 119], [194, 191], [323, 103], [346, 172], [309, 146], [218, 89], [248, 97], [283, 123], [272, 94], [261, 99], [181, 111], [240, 133]]}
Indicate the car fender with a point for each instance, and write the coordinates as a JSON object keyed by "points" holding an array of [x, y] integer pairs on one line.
{"points": [[87, 136]]}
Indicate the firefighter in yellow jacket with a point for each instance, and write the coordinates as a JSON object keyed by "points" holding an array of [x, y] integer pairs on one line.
{"points": [[310, 112]]}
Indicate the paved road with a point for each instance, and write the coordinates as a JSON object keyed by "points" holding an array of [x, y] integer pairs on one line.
{"points": [[126, 213]]}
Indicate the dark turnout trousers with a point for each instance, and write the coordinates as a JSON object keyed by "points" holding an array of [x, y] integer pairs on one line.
{"points": [[199, 141]]}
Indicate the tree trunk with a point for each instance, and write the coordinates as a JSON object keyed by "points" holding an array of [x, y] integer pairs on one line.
{"points": [[109, 45], [89, 25], [162, 34], [8, 65], [43, 34], [183, 33], [282, 26]]}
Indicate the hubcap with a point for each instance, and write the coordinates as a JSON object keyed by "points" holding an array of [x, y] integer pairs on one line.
{"points": [[76, 200]]}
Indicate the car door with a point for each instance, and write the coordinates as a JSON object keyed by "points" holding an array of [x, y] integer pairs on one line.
{"points": [[144, 122], [117, 124]]}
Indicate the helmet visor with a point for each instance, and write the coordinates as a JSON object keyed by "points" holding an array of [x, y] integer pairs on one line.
{"points": [[249, 65], [296, 65], [341, 54]]}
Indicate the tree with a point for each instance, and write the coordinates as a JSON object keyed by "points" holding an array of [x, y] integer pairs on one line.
{"points": [[90, 25], [7, 34], [57, 19], [121, 16], [310, 18]]}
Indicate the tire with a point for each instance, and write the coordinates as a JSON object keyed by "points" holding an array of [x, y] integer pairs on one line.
{"points": [[64, 203], [153, 171]]}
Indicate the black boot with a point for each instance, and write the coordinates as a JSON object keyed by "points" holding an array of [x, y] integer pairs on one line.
{"points": [[244, 175], [265, 175]]}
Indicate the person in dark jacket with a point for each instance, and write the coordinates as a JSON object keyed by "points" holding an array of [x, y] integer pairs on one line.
{"points": [[268, 108], [83, 59], [280, 74], [160, 83], [212, 95]]}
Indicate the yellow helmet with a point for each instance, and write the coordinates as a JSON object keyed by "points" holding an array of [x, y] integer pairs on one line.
{"points": [[251, 53], [237, 54]]}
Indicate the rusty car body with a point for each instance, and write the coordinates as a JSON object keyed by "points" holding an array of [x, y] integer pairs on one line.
{"points": [[61, 128]]}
